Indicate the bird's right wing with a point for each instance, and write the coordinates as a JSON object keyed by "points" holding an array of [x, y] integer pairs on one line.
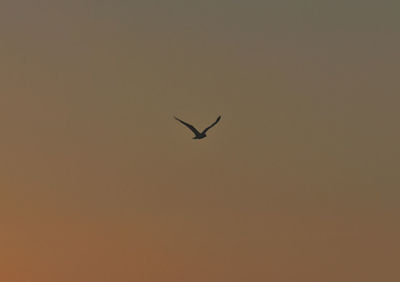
{"points": [[191, 127], [205, 130]]}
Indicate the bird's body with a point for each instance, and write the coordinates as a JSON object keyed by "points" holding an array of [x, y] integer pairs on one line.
{"points": [[198, 135]]}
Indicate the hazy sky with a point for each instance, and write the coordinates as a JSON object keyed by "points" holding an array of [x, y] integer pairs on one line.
{"points": [[298, 182]]}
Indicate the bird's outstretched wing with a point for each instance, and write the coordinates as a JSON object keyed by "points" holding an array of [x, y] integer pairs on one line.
{"points": [[205, 130], [191, 127]]}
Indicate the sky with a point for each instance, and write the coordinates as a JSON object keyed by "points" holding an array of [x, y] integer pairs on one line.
{"points": [[299, 181]]}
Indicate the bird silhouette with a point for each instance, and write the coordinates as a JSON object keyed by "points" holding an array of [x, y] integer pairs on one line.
{"points": [[198, 135]]}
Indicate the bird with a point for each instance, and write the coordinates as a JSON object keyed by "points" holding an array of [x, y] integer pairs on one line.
{"points": [[198, 135]]}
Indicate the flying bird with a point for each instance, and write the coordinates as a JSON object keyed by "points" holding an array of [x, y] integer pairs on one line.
{"points": [[198, 135]]}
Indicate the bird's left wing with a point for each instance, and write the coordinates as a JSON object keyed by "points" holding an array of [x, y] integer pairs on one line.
{"points": [[191, 127]]}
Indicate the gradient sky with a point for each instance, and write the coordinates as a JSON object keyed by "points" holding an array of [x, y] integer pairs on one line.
{"points": [[298, 182]]}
